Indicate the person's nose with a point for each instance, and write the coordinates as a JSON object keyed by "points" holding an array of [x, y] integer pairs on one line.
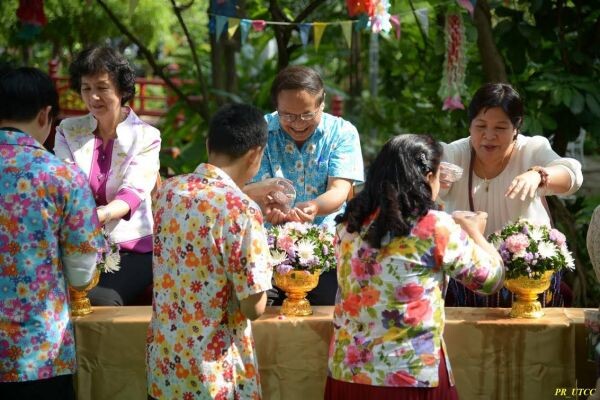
{"points": [[489, 133]]}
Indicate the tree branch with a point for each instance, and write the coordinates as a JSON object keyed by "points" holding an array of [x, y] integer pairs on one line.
{"points": [[150, 58], [190, 40], [491, 59]]}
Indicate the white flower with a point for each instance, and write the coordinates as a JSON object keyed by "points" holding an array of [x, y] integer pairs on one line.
{"points": [[111, 262], [497, 242], [569, 260], [277, 257], [547, 250], [536, 234], [305, 251], [519, 254]]}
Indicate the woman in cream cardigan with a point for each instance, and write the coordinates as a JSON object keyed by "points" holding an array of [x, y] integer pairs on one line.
{"points": [[119, 153], [506, 174]]}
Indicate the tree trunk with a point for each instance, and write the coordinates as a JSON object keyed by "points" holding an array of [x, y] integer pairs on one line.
{"points": [[491, 59]]}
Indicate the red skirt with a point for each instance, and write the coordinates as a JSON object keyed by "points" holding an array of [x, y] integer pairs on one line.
{"points": [[339, 390]]}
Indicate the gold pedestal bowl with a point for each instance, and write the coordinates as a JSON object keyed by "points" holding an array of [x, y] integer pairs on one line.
{"points": [[296, 285], [80, 304], [527, 289]]}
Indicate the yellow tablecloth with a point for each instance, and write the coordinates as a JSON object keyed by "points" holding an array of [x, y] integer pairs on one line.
{"points": [[492, 356]]}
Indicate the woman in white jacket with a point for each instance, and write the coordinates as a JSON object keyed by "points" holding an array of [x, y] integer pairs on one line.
{"points": [[119, 153], [506, 174]]}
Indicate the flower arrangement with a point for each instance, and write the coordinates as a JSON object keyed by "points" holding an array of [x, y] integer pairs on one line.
{"points": [[530, 250], [301, 247], [108, 257]]}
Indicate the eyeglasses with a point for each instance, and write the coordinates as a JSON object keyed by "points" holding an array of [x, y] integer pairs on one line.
{"points": [[304, 117]]}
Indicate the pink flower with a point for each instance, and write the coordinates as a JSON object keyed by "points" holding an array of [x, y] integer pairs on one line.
{"points": [[517, 242], [356, 356], [453, 103], [400, 378], [557, 237], [417, 311], [408, 293]]}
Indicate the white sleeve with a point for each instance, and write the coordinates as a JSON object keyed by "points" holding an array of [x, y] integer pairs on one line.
{"points": [[79, 268]]}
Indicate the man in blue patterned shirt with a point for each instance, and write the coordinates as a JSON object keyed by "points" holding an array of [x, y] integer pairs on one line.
{"points": [[317, 152]]}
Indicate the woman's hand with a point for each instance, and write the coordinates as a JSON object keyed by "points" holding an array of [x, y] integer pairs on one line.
{"points": [[304, 212], [275, 216], [524, 185]]}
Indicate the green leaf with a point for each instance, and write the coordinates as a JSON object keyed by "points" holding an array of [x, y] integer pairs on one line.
{"points": [[592, 104], [577, 102], [548, 122]]}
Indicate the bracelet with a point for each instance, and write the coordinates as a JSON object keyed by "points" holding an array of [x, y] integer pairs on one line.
{"points": [[543, 175], [107, 213]]}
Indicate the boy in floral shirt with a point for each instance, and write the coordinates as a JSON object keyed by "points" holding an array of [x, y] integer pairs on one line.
{"points": [[211, 269], [48, 233]]}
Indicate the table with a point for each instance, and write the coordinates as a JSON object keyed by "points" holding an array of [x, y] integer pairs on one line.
{"points": [[492, 356]]}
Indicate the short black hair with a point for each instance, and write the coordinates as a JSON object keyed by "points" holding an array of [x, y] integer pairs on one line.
{"points": [[397, 186], [500, 95], [298, 77], [24, 92], [236, 128], [96, 60]]}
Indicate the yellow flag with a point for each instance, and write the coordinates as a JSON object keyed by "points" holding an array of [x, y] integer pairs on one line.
{"points": [[347, 31], [319, 28], [233, 25]]}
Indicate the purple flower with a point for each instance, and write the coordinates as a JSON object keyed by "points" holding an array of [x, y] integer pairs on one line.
{"points": [[283, 268], [391, 318], [423, 344], [528, 257], [557, 237]]}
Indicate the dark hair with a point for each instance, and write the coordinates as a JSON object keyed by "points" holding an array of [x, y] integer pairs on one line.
{"points": [[497, 95], [397, 186], [96, 60], [298, 78], [24, 92], [235, 129]]}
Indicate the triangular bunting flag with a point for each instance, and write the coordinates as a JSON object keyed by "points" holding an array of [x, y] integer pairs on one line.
{"points": [[221, 21], [395, 21], [347, 31], [319, 28], [244, 29], [304, 32], [233, 25], [423, 19], [259, 25]]}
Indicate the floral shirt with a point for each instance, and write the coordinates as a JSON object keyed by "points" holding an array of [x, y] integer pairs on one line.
{"points": [[389, 320], [333, 150], [47, 224], [210, 252]]}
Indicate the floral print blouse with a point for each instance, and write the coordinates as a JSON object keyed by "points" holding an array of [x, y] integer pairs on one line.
{"points": [[48, 232], [333, 150], [389, 319], [210, 252]]}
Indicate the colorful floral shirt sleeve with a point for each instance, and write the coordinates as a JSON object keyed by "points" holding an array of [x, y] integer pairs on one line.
{"points": [[47, 214], [389, 317]]}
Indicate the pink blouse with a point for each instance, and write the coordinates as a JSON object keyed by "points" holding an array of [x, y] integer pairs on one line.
{"points": [[101, 160]]}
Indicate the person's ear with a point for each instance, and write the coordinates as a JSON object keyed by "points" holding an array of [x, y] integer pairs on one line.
{"points": [[43, 118], [254, 155]]}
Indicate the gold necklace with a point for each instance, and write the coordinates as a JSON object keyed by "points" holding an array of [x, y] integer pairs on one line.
{"points": [[505, 161]]}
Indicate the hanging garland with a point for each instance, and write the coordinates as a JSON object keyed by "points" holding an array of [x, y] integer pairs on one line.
{"points": [[453, 78]]}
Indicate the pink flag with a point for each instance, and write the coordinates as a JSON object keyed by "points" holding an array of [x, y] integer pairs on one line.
{"points": [[259, 25]]}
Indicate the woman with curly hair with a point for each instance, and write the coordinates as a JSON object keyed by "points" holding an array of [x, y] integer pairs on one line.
{"points": [[119, 154], [395, 253]]}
